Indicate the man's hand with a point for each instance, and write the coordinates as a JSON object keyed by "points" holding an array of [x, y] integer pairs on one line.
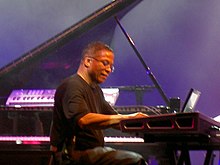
{"points": [[140, 114], [137, 115]]}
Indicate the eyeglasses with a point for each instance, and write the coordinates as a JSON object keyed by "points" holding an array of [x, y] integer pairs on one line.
{"points": [[104, 63]]}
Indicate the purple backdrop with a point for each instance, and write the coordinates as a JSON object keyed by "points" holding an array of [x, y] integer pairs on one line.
{"points": [[179, 41]]}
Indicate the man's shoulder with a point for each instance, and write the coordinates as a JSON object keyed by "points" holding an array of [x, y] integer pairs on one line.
{"points": [[72, 81]]}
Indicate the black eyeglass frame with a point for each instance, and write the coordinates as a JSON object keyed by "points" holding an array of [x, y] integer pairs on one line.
{"points": [[104, 63]]}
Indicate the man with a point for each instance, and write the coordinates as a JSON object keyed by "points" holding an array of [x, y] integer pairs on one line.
{"points": [[81, 112]]}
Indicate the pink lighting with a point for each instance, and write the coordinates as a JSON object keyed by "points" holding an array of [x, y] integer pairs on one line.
{"points": [[41, 139], [25, 139]]}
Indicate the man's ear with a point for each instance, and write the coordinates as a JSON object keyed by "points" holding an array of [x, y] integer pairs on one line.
{"points": [[87, 62]]}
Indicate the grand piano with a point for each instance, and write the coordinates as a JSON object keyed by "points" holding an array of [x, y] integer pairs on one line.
{"points": [[24, 131]]}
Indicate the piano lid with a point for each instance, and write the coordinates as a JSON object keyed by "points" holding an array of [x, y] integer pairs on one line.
{"points": [[50, 62]]}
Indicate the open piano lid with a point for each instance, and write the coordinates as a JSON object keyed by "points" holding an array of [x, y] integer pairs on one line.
{"points": [[49, 63]]}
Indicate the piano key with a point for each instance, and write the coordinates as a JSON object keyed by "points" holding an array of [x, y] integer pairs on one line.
{"points": [[25, 139]]}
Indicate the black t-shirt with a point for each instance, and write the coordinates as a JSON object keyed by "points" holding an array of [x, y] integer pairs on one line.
{"points": [[75, 98]]}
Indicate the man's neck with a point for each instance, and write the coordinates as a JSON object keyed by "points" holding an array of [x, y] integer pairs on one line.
{"points": [[84, 76]]}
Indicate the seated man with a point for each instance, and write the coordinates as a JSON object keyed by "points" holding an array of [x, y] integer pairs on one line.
{"points": [[81, 112]]}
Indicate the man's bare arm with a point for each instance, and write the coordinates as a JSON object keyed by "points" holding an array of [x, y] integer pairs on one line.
{"points": [[101, 121]]}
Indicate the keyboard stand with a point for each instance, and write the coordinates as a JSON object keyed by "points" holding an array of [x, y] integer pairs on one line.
{"points": [[179, 152]]}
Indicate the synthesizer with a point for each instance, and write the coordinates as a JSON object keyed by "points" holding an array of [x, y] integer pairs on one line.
{"points": [[46, 139], [36, 120], [150, 110], [31, 97], [45, 97], [192, 126]]}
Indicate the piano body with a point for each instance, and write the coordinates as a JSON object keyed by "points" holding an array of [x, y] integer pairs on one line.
{"points": [[49, 63]]}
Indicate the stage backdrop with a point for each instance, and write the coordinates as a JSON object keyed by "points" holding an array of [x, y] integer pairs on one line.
{"points": [[178, 40]]}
